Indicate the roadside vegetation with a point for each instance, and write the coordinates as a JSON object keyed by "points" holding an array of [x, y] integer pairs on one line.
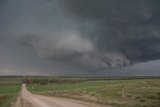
{"points": [[115, 91], [9, 90]]}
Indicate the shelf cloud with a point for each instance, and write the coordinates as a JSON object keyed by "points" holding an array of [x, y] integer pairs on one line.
{"points": [[90, 35]]}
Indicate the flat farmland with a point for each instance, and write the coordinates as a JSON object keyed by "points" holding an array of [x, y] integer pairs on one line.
{"points": [[9, 90], [121, 93]]}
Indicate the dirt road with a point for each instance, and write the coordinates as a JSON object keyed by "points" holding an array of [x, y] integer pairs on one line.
{"points": [[27, 99]]}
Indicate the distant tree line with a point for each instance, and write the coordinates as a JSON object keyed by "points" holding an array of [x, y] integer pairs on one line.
{"points": [[57, 80], [45, 80]]}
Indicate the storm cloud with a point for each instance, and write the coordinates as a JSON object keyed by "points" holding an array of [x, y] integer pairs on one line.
{"points": [[91, 35]]}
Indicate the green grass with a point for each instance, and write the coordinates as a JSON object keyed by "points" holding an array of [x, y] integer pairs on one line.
{"points": [[121, 93], [9, 90]]}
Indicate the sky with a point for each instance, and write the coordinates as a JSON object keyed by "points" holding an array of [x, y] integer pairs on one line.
{"points": [[80, 37]]}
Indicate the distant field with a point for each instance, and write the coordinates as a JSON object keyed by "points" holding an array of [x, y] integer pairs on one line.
{"points": [[9, 90], [121, 93]]}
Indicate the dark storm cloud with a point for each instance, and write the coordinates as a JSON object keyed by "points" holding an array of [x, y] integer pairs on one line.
{"points": [[86, 34], [111, 10], [124, 25]]}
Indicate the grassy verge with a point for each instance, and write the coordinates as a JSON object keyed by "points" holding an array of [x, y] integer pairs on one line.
{"points": [[9, 90], [136, 93]]}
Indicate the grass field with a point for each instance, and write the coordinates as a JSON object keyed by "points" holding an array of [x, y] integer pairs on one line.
{"points": [[9, 90], [118, 93]]}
